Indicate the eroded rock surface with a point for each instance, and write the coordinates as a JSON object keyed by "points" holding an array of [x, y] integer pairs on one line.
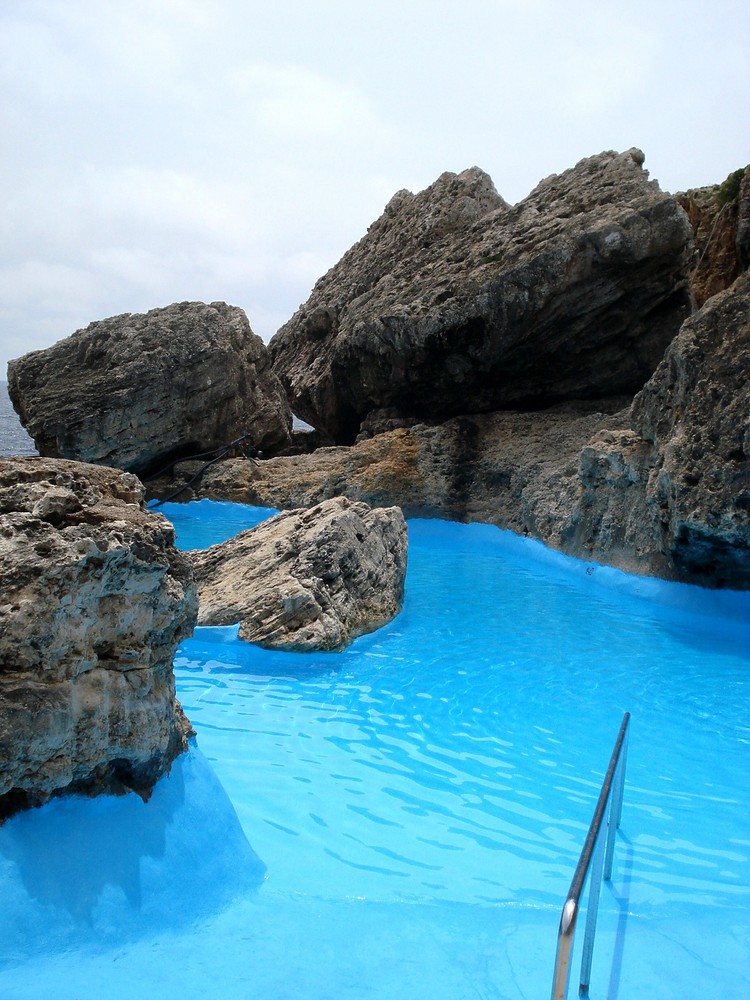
{"points": [[671, 493], [307, 579], [137, 390], [94, 599], [516, 470], [455, 302], [695, 414], [720, 217], [662, 489]]}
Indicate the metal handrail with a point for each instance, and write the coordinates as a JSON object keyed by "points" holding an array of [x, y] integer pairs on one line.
{"points": [[593, 850]]}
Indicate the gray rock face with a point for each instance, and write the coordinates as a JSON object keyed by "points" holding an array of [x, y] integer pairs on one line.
{"points": [[673, 491], [695, 414], [94, 601], [307, 579], [135, 391], [720, 217], [454, 302], [516, 470], [662, 488]]}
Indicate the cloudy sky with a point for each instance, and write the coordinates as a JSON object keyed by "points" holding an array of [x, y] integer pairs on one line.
{"points": [[161, 150]]}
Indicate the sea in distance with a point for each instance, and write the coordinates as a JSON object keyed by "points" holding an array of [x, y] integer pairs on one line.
{"points": [[15, 441], [13, 438]]}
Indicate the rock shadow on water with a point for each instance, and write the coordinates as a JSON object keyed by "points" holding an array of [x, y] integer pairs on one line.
{"points": [[99, 871], [217, 649]]}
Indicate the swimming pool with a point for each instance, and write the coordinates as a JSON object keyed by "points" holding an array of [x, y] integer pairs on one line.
{"points": [[411, 810]]}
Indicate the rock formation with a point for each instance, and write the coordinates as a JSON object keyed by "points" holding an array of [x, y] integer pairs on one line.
{"points": [[720, 217], [136, 391], [516, 470], [307, 579], [95, 599], [662, 488], [456, 303], [501, 468], [695, 415]]}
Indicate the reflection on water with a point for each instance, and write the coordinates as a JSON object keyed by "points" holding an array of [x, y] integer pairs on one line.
{"points": [[111, 868]]}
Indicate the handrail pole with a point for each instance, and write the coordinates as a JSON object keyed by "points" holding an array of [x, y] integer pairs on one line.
{"points": [[608, 805], [592, 912], [564, 954], [615, 809]]}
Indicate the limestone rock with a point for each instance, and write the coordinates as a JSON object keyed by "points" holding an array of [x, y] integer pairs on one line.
{"points": [[307, 579], [695, 414], [456, 303], [609, 520], [136, 391], [94, 600], [516, 470], [720, 217], [664, 492]]}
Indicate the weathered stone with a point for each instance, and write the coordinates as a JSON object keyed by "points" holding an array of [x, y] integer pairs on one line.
{"points": [[663, 492], [516, 470], [307, 579], [609, 520], [720, 217], [136, 391], [695, 414], [94, 600], [454, 302]]}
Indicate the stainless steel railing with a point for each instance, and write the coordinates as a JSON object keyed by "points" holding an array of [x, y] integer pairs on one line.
{"points": [[597, 857]]}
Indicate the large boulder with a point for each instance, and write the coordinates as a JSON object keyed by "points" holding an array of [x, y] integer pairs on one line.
{"points": [[456, 303], [138, 390], [307, 579], [95, 599]]}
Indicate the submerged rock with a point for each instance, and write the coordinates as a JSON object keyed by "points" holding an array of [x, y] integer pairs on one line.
{"points": [[307, 579], [138, 390], [95, 599], [456, 303]]}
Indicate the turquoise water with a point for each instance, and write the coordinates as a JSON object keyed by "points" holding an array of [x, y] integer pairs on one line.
{"points": [[403, 819]]}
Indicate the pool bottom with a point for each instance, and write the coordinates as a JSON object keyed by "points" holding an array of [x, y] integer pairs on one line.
{"points": [[272, 948], [200, 941]]}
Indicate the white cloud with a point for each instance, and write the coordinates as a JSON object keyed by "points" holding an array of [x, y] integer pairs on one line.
{"points": [[235, 149], [293, 101]]}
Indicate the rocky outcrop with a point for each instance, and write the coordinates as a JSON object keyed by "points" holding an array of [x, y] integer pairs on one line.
{"points": [[660, 489], [672, 492], [516, 470], [695, 414], [455, 302], [95, 599], [307, 579], [136, 391], [720, 217]]}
